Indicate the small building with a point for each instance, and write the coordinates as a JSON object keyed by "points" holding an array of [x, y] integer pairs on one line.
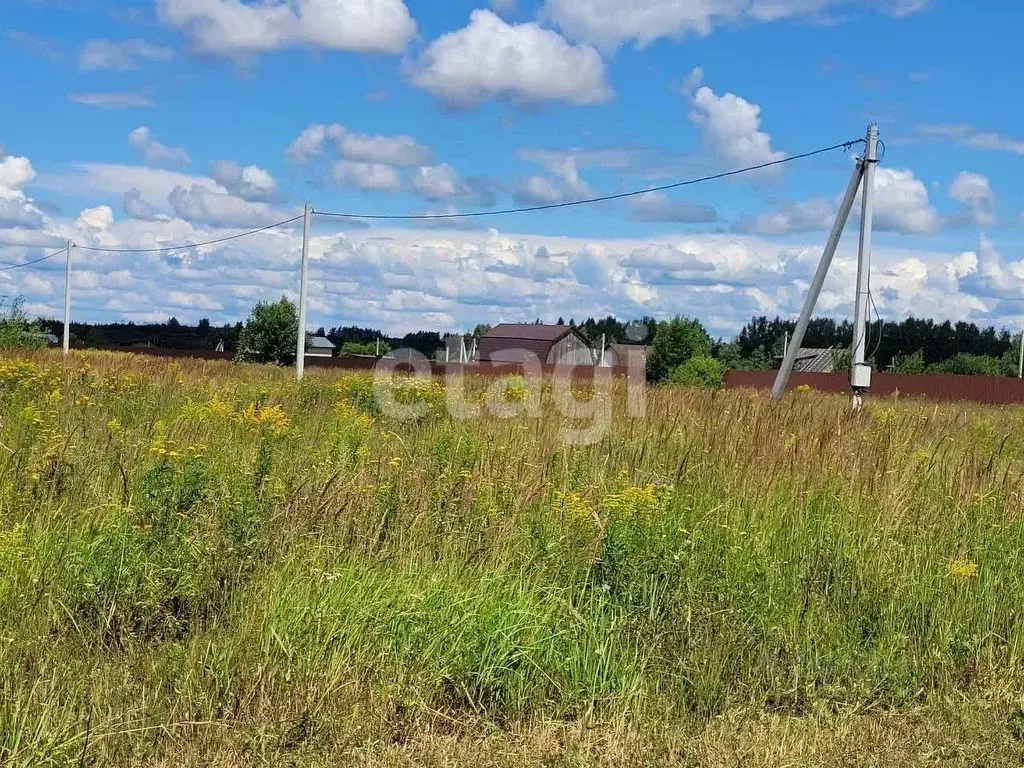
{"points": [[319, 346], [48, 339], [617, 354], [525, 342], [811, 360]]}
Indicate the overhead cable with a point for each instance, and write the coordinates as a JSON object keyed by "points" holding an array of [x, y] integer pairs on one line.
{"points": [[34, 261], [590, 200], [184, 246]]}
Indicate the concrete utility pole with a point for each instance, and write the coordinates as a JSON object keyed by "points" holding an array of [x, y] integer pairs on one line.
{"points": [[1020, 365], [67, 300], [300, 349], [860, 372], [782, 378]]}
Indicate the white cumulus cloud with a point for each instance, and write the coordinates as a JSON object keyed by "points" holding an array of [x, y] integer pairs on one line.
{"points": [[437, 182], [974, 192], [525, 64], [563, 183], [154, 152], [202, 204], [730, 126], [241, 29], [16, 208], [902, 204], [249, 182], [397, 149], [376, 177]]}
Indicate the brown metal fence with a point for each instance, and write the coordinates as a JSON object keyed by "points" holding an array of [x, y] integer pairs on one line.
{"points": [[996, 390]]}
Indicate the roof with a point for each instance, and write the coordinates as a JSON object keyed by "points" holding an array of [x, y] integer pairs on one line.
{"points": [[319, 342], [812, 360], [505, 342], [532, 331]]}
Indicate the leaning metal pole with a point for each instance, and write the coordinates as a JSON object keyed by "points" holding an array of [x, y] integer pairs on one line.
{"points": [[782, 378]]}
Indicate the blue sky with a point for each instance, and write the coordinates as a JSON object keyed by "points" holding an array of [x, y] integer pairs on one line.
{"points": [[142, 124]]}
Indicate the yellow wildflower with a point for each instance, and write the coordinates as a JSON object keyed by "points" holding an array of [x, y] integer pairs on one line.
{"points": [[962, 569], [574, 506], [632, 501]]}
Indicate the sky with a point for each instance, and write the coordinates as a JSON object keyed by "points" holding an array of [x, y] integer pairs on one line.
{"points": [[145, 124]]}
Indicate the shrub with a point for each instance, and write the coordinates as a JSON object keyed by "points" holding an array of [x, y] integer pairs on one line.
{"points": [[700, 371], [16, 330], [969, 365], [350, 348]]}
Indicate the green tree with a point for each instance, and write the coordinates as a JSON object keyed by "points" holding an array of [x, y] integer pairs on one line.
{"points": [[16, 330], [675, 342], [1010, 360], [842, 359], [730, 355], [909, 363], [270, 334], [701, 371]]}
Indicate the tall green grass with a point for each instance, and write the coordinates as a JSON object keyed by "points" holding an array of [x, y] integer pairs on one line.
{"points": [[214, 554]]}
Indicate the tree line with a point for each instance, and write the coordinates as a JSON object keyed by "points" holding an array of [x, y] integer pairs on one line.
{"points": [[912, 345]]}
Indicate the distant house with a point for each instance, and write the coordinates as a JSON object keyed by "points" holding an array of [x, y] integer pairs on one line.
{"points": [[48, 339], [811, 360], [319, 346], [521, 342], [616, 354]]}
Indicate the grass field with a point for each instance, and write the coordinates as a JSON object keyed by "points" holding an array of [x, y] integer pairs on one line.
{"points": [[210, 564]]}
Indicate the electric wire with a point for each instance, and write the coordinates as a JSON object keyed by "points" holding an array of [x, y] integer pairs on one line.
{"points": [[845, 145], [881, 326], [33, 261], [165, 248]]}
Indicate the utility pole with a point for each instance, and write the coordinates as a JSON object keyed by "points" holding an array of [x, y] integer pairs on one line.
{"points": [[67, 301], [602, 349], [300, 350], [785, 343], [782, 378], [1020, 365], [860, 372]]}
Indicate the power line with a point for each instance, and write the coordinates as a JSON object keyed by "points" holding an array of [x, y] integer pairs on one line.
{"points": [[188, 245], [34, 261], [589, 201]]}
